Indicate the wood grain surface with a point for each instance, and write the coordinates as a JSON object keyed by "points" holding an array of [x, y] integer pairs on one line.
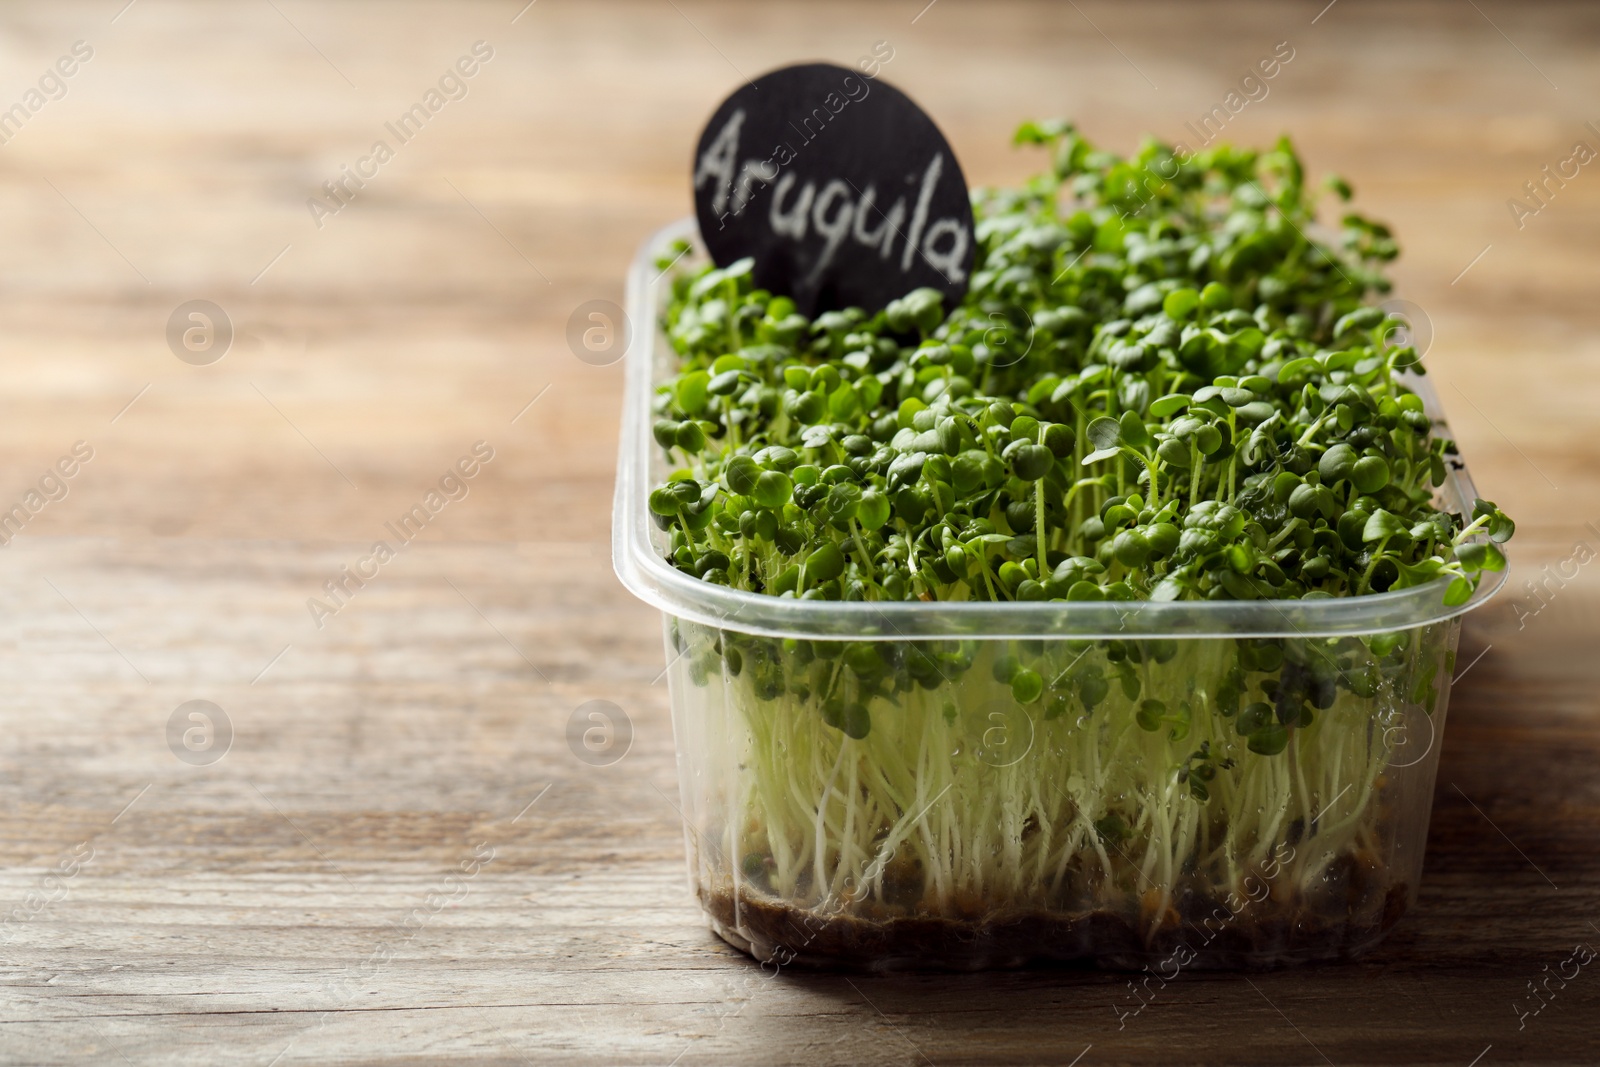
{"points": [[400, 859]]}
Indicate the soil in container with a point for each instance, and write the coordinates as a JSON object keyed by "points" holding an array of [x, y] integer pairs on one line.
{"points": [[1199, 931]]}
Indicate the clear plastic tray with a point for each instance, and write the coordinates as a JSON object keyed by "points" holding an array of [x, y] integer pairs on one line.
{"points": [[952, 826]]}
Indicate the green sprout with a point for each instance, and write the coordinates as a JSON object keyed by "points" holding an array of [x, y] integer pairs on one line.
{"points": [[1159, 386], [1207, 409]]}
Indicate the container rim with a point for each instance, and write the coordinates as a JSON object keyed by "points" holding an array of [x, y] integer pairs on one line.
{"points": [[648, 576]]}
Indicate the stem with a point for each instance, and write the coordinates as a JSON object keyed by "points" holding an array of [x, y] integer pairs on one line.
{"points": [[1038, 525], [1377, 557], [861, 551], [1311, 431], [1467, 531], [1194, 473]]}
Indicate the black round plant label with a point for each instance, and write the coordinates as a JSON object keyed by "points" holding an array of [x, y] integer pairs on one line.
{"points": [[842, 191]]}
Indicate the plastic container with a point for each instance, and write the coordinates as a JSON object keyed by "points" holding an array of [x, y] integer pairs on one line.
{"points": [[965, 830]]}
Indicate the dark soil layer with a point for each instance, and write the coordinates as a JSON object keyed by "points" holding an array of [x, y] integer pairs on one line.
{"points": [[1265, 935]]}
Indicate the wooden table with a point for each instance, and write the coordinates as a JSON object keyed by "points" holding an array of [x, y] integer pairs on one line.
{"points": [[399, 859]]}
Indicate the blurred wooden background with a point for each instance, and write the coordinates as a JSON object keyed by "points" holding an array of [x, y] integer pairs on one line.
{"points": [[281, 901]]}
